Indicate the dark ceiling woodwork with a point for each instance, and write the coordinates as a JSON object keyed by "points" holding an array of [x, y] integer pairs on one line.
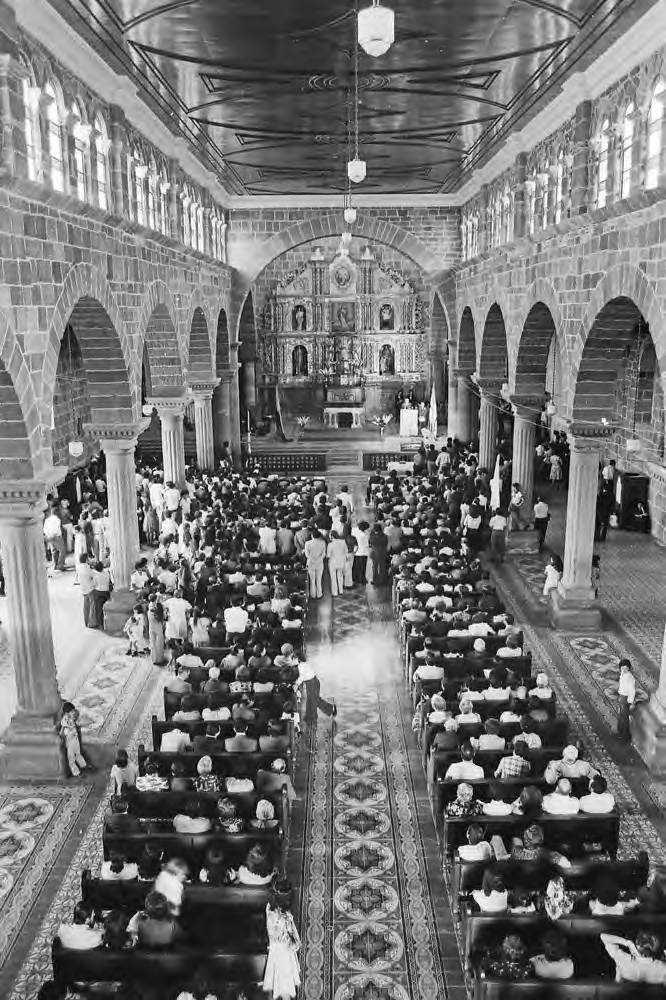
{"points": [[264, 90]]}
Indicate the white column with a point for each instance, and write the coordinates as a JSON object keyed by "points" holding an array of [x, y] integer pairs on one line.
{"points": [[171, 410], [573, 604], [524, 443], [488, 427], [121, 487], [222, 412], [464, 410], [32, 744], [203, 424], [452, 406]]}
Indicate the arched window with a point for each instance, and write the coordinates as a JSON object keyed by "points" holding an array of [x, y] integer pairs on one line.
{"points": [[54, 139], [602, 164], [531, 202], [627, 150], [508, 214], [201, 236], [559, 185], [194, 211], [544, 180], [81, 137], [102, 143], [152, 195], [140, 172], [475, 235], [164, 203], [33, 143], [186, 199], [655, 136]]}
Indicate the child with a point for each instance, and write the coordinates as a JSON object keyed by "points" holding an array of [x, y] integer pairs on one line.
{"points": [[596, 574], [135, 630], [70, 736], [123, 773], [282, 976], [555, 471], [553, 574], [80, 549], [151, 526]]}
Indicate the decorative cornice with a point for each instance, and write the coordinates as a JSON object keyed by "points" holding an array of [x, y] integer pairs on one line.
{"points": [[27, 497], [226, 375], [529, 404], [489, 386], [204, 388], [120, 435], [168, 404]]}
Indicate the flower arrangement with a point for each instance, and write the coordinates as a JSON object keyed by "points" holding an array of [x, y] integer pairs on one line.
{"points": [[382, 421], [303, 422]]}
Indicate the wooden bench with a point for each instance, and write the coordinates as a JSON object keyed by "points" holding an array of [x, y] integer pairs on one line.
{"points": [[198, 728], [192, 847], [167, 804], [439, 761], [444, 791], [226, 764], [553, 732], [557, 830]]}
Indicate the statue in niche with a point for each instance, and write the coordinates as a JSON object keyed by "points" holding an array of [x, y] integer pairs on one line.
{"points": [[298, 317], [299, 361], [386, 317], [387, 360], [343, 317]]}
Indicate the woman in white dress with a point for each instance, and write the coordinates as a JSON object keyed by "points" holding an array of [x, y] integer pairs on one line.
{"points": [[282, 976]]}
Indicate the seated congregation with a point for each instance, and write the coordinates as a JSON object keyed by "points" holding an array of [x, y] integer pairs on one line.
{"points": [[528, 829], [191, 899]]}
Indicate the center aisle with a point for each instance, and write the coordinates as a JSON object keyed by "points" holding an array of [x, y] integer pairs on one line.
{"points": [[375, 919]]}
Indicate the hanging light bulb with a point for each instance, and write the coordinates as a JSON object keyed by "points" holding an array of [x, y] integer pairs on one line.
{"points": [[356, 170], [349, 215], [376, 29], [346, 238]]}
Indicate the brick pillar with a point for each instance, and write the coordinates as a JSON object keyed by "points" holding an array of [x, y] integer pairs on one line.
{"points": [[118, 200], [580, 170], [573, 603], [31, 743]]}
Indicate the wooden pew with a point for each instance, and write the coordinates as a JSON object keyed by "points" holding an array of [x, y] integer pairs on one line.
{"points": [[557, 829]]}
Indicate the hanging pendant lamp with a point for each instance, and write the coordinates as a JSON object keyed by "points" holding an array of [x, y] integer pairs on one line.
{"points": [[376, 29], [356, 168]]}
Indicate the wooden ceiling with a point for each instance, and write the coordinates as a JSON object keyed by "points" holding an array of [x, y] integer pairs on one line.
{"points": [[264, 90]]}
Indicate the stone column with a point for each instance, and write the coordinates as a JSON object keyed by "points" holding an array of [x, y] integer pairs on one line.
{"points": [[648, 724], [222, 412], [202, 393], [464, 408], [171, 410], [32, 744], [524, 442], [234, 403], [488, 425], [573, 603], [248, 375], [452, 421]]}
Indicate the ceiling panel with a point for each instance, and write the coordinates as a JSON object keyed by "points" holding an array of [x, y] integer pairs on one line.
{"points": [[265, 91]]}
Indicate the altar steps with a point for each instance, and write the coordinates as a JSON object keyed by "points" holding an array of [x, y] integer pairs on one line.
{"points": [[343, 458]]}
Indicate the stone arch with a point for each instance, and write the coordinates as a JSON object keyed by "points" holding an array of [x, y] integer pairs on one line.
{"points": [[159, 343], [200, 361], [372, 228], [628, 285], [222, 343], [21, 454], [466, 360], [87, 303], [494, 355], [543, 322], [614, 329], [199, 309]]}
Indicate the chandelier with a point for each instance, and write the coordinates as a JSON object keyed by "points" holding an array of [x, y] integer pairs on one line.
{"points": [[356, 166], [376, 29]]}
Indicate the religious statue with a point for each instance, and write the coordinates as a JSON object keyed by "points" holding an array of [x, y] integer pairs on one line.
{"points": [[298, 318], [342, 317], [387, 360], [299, 361], [386, 317]]}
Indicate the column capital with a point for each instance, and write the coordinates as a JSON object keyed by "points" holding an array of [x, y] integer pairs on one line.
{"points": [[117, 437], [584, 438], [226, 376], [526, 406], [175, 405], [203, 388], [25, 499], [490, 387]]}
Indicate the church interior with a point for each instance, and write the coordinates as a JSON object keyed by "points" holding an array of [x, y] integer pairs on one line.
{"points": [[332, 499]]}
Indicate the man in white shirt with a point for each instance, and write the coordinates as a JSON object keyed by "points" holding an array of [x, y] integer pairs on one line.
{"points": [[465, 769], [174, 741], [315, 553], [561, 802], [156, 494], [541, 518], [608, 471], [476, 848], [54, 540], [188, 658], [86, 579], [171, 499], [599, 799], [236, 621], [139, 577], [169, 528], [497, 525], [430, 670], [337, 557], [491, 739], [512, 648], [346, 498], [568, 767], [479, 626], [626, 689]]}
